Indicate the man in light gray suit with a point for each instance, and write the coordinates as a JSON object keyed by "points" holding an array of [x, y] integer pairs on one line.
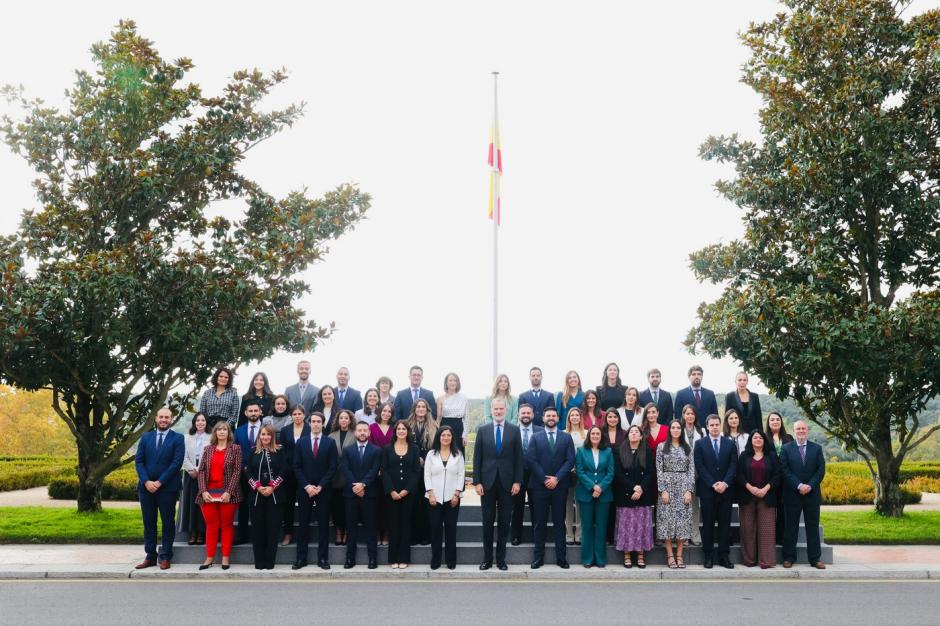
{"points": [[304, 392]]}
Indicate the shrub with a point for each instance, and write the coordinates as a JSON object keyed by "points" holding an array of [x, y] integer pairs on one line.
{"points": [[28, 472], [119, 485], [851, 489], [923, 484]]}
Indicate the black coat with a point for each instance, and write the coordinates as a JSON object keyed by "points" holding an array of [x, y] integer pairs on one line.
{"points": [[266, 469], [772, 467], [401, 473], [639, 473], [752, 420]]}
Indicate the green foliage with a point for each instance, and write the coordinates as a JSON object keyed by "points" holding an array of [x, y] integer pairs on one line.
{"points": [[119, 485], [119, 288], [35, 524], [852, 489], [26, 472], [868, 527], [841, 203]]}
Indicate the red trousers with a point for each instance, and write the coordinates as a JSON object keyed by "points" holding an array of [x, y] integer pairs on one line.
{"points": [[219, 515]]}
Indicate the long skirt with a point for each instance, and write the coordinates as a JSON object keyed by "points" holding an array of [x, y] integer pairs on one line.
{"points": [[189, 519], [634, 529]]}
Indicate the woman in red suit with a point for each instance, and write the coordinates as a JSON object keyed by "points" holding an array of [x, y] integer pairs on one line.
{"points": [[220, 491]]}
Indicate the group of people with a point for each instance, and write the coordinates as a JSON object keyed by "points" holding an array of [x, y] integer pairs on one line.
{"points": [[611, 464]]}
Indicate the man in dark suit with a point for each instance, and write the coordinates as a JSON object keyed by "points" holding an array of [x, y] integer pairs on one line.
{"points": [[702, 399], [804, 468], [716, 462], [406, 397], [550, 459], [346, 397], [304, 392], [360, 465], [497, 477], [315, 462], [537, 397], [526, 431], [246, 436], [159, 459], [661, 398]]}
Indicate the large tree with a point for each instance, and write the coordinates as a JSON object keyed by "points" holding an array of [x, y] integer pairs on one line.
{"points": [[119, 288], [831, 296]]}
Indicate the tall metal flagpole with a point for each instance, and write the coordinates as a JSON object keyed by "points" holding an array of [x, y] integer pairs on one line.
{"points": [[496, 217]]}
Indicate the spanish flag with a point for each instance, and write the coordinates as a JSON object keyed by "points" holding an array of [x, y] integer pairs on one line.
{"points": [[495, 161]]}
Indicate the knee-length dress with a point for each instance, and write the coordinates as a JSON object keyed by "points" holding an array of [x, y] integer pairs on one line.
{"points": [[675, 473]]}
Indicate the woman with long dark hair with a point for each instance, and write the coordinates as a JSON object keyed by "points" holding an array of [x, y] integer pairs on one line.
{"points": [[288, 438], [634, 495], [591, 413], [631, 412], [343, 435], [758, 481], [258, 393], [611, 391], [327, 406], [370, 408], [595, 467], [190, 518], [776, 436], [692, 433], [423, 431], [444, 484], [381, 434], [280, 415], [400, 468], [675, 474], [613, 431]]}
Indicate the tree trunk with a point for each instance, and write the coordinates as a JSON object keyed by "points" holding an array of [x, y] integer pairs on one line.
{"points": [[89, 496], [887, 486]]}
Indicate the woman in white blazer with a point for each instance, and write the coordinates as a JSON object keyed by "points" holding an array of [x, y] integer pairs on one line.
{"points": [[190, 518], [444, 479]]}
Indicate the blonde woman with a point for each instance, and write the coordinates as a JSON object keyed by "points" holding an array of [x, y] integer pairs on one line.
{"points": [[453, 409], [575, 428], [571, 396], [220, 491], [502, 390], [266, 468], [423, 431]]}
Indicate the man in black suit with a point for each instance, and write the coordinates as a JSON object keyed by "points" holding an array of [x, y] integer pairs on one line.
{"points": [[346, 397], [701, 399], [526, 431], [716, 460], [661, 398], [550, 459], [804, 468], [315, 463], [537, 397], [497, 477], [401, 409], [360, 466]]}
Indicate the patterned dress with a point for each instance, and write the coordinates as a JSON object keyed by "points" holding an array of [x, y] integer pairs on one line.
{"points": [[675, 473]]}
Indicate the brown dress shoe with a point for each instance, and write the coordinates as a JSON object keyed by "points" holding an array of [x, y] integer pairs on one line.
{"points": [[145, 564], [165, 564], [788, 564], [819, 565]]}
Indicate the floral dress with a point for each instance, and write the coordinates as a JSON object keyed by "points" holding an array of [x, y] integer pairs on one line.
{"points": [[675, 473]]}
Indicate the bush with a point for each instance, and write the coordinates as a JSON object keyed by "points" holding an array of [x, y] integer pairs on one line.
{"points": [[851, 489], [930, 469], [119, 485], [27, 472], [922, 484]]}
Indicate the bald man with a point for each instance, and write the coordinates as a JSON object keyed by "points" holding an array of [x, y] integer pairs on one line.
{"points": [[804, 468]]}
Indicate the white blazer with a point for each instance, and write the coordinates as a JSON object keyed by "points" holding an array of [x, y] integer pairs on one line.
{"points": [[444, 481], [193, 452]]}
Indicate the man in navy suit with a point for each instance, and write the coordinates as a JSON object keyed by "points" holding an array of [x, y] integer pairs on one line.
{"points": [[406, 397], [661, 398], [360, 466], [804, 468], [315, 463], [526, 430], [346, 396], [246, 436], [702, 399], [550, 459], [158, 461], [537, 397], [716, 463]]}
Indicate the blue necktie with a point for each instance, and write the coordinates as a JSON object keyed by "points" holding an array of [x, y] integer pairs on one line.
{"points": [[159, 440], [715, 446], [414, 395], [499, 438], [342, 396]]}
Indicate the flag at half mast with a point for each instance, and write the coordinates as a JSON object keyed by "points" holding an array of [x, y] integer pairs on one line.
{"points": [[495, 162]]}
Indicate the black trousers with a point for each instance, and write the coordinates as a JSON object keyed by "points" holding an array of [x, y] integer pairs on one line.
{"points": [[556, 499], [287, 496], [808, 505], [318, 508], [457, 424], [338, 508], [266, 517], [243, 525], [716, 508], [420, 528], [360, 510], [399, 528], [518, 507], [781, 525], [443, 518], [497, 507]]}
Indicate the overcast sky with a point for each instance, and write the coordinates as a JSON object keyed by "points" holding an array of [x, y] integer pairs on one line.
{"points": [[602, 108]]}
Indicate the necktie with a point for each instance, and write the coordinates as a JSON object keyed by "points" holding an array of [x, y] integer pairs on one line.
{"points": [[715, 446], [342, 396], [525, 439], [251, 435], [160, 440], [316, 447], [303, 390], [537, 394], [362, 451], [803, 453], [499, 438], [698, 396], [655, 397], [551, 441], [414, 395]]}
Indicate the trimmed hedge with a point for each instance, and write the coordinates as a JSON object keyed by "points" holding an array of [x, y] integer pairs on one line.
{"points": [[119, 485], [929, 469], [32, 471], [924, 484], [850, 489]]}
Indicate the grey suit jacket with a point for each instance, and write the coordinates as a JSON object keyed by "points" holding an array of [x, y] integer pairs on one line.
{"points": [[310, 396]]}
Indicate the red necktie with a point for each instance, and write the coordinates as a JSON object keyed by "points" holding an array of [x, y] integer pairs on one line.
{"points": [[316, 447], [698, 396]]}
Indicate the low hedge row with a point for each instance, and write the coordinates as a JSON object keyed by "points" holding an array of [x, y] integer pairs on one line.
{"points": [[119, 485], [849, 489], [929, 469], [27, 472]]}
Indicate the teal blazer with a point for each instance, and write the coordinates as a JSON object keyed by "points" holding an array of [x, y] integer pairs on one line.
{"points": [[588, 475]]}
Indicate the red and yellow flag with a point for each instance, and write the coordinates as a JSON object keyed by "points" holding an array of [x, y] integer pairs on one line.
{"points": [[495, 161]]}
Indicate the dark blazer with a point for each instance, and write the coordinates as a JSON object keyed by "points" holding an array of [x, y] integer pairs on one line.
{"points": [[365, 470], [352, 400], [319, 472], [642, 474], [772, 465], [403, 475], [163, 465], [402, 406], [545, 400], [754, 418], [621, 435], [231, 472], [664, 404], [286, 437], [709, 470], [610, 397], [542, 462], [795, 471], [708, 406], [508, 464], [267, 469], [241, 438]]}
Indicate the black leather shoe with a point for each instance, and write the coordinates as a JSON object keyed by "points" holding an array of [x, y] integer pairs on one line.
{"points": [[373, 563], [349, 564], [451, 566], [324, 564], [563, 564], [708, 563], [537, 563], [501, 566], [725, 563], [435, 566], [485, 565], [299, 564], [516, 541]]}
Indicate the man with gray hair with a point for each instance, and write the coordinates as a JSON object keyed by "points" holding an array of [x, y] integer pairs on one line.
{"points": [[804, 468]]}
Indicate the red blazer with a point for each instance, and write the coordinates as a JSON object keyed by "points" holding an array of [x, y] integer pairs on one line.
{"points": [[231, 473]]}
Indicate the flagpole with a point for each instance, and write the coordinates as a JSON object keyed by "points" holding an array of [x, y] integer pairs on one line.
{"points": [[496, 217]]}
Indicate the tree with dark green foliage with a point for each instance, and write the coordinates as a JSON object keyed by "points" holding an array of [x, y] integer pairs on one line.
{"points": [[118, 290], [831, 296]]}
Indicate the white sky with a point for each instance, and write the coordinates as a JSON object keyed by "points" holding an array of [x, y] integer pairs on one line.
{"points": [[602, 108]]}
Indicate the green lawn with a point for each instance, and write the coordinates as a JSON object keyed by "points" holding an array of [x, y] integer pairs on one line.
{"points": [[34, 524], [867, 527]]}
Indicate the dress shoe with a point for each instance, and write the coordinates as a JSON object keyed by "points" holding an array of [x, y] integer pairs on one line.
{"points": [[451, 566], [501, 566], [485, 565], [537, 563], [725, 563], [708, 564], [205, 566], [516, 541], [569, 542], [145, 564], [373, 563], [819, 565], [164, 563], [299, 564], [563, 564], [324, 564], [435, 566], [225, 566], [349, 564], [788, 564]]}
